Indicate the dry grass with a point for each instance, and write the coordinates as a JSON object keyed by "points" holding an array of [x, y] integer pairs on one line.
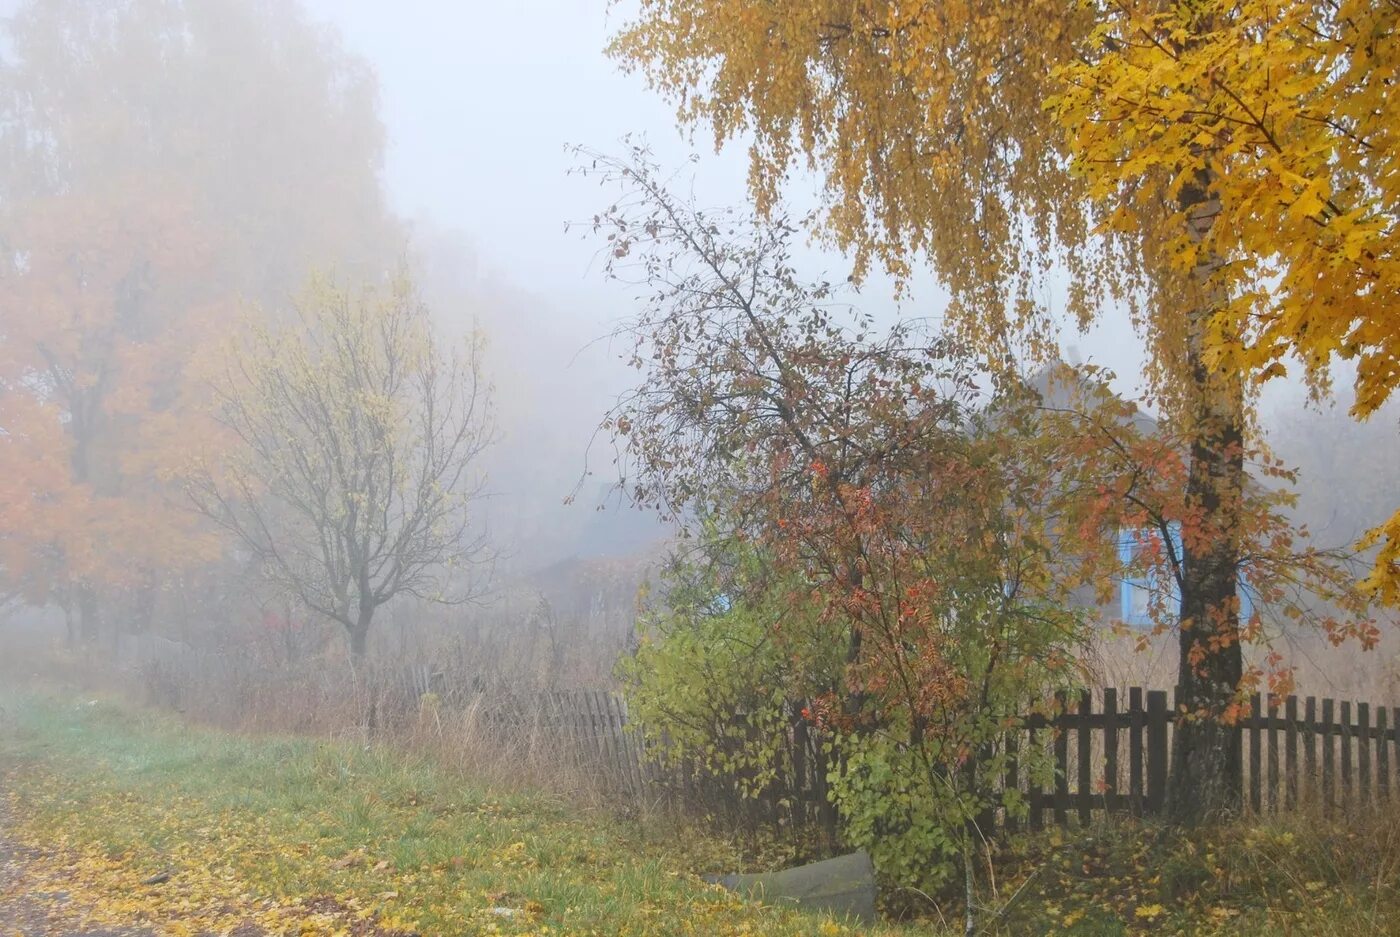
{"points": [[1306, 872], [485, 715], [1342, 672]]}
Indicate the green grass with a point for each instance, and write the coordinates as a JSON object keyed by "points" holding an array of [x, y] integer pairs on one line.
{"points": [[250, 820], [266, 823]]}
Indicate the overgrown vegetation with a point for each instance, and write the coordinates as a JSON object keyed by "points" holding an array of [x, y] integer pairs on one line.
{"points": [[940, 544]]}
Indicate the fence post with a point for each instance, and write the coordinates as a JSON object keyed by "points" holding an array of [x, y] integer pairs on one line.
{"points": [[1156, 750], [1061, 757], [1255, 761], [1382, 756], [1110, 747], [1135, 725], [1085, 750], [1290, 751], [591, 732], [1310, 753], [1363, 753], [1328, 761], [1346, 751], [1273, 754]]}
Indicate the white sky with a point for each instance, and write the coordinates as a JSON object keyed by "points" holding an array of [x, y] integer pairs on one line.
{"points": [[480, 101]]}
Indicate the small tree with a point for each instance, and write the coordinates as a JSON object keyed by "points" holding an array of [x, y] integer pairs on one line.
{"points": [[937, 532], [358, 440], [910, 515]]}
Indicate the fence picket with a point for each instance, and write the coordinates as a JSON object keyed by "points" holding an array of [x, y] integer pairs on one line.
{"points": [[1382, 756], [1310, 774], [1290, 752], [1135, 727], [1085, 751], [1156, 750], [1061, 757], [1273, 792], [1110, 747], [1363, 753], [1255, 759], [1346, 752], [1328, 772]]}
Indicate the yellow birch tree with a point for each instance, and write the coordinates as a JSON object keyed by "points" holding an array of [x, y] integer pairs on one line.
{"points": [[1004, 142]]}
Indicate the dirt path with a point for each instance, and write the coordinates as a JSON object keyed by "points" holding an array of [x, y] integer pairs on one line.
{"points": [[31, 907], [26, 911]]}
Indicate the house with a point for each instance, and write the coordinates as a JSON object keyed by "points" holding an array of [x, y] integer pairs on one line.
{"points": [[1136, 593]]}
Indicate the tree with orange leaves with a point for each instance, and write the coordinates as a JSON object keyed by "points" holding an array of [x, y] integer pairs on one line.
{"points": [[95, 406], [147, 188], [929, 537], [1222, 170]]}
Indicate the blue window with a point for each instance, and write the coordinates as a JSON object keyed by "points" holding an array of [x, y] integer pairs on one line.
{"points": [[1137, 590]]}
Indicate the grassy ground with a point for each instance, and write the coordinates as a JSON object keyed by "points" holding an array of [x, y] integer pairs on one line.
{"points": [[1294, 875], [263, 835], [277, 835]]}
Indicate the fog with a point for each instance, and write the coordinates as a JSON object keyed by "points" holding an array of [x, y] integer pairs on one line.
{"points": [[480, 103], [440, 493], [271, 142]]}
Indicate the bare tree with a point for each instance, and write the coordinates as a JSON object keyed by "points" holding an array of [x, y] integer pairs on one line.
{"points": [[354, 464]]}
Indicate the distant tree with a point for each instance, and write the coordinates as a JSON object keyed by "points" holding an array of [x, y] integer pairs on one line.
{"points": [[355, 453], [104, 303], [161, 162]]}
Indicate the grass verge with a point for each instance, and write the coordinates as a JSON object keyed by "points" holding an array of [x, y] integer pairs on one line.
{"points": [[143, 820], [249, 835]]}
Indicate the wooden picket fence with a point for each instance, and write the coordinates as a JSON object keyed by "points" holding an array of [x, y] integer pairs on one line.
{"points": [[1110, 752], [1336, 754]]}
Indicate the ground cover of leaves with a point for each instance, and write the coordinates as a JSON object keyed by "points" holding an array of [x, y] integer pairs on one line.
{"points": [[134, 821], [1298, 875], [118, 823]]}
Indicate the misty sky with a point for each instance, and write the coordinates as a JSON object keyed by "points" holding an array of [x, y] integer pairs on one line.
{"points": [[480, 101]]}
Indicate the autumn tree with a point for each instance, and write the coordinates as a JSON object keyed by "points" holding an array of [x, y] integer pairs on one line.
{"points": [[1133, 147], [1279, 118], [354, 464], [907, 518], [95, 407], [160, 163]]}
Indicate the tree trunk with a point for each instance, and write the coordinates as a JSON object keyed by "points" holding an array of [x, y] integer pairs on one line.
{"points": [[1206, 766], [89, 616], [359, 636]]}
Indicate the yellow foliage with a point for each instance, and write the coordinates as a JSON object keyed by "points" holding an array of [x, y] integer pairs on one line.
{"points": [[1002, 139]]}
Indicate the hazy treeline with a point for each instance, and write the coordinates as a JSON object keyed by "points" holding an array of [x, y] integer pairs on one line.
{"points": [[172, 177]]}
